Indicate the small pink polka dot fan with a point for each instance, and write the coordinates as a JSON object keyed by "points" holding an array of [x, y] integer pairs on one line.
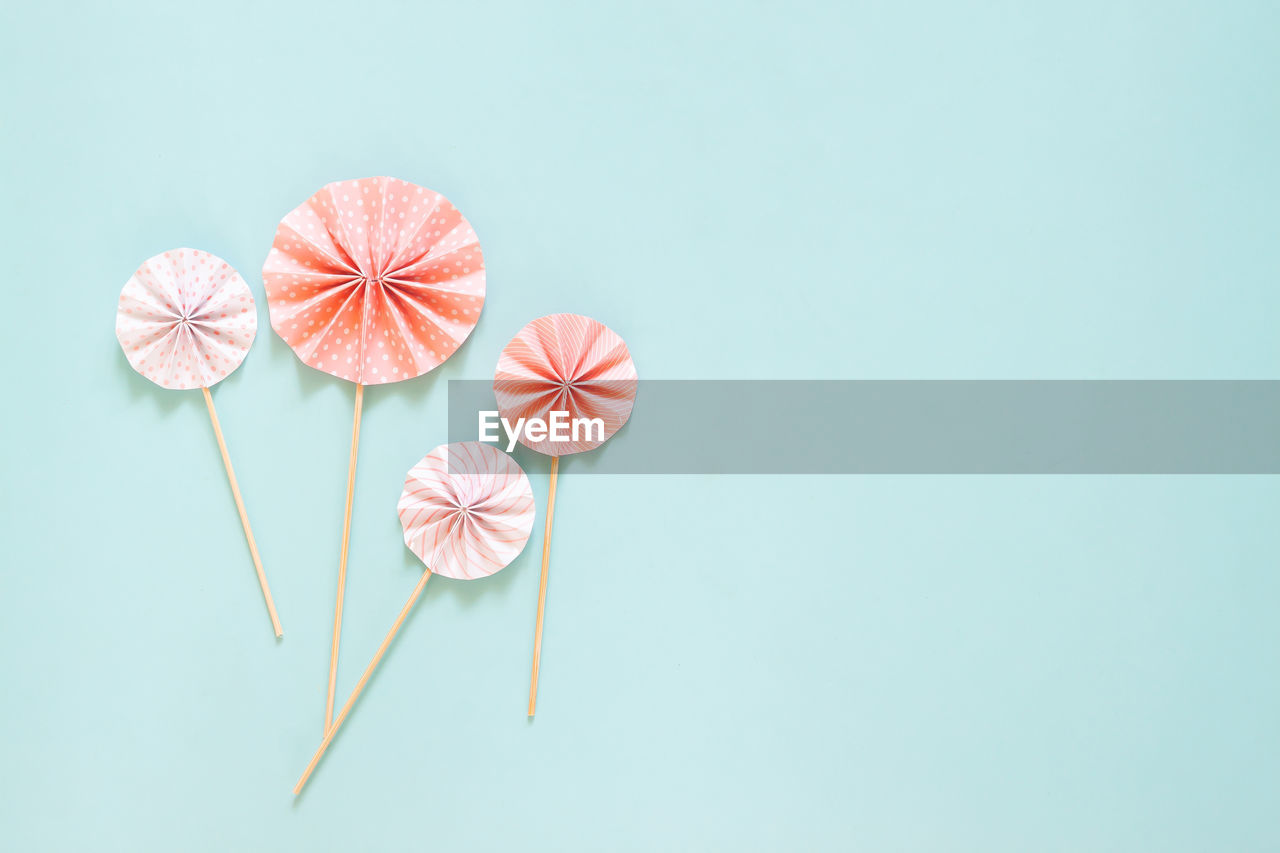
{"points": [[571, 364], [185, 320], [373, 281], [467, 511]]}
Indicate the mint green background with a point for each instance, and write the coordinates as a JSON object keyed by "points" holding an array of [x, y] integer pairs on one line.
{"points": [[1074, 190]]}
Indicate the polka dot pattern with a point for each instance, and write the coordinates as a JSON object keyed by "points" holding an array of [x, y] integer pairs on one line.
{"points": [[566, 363], [186, 319], [467, 510], [374, 280]]}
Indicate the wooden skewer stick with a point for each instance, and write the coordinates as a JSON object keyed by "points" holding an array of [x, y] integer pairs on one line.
{"points": [[342, 561], [364, 679], [542, 585], [244, 517]]}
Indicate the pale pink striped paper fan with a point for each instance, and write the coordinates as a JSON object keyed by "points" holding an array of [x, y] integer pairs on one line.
{"points": [[467, 510], [185, 319], [566, 363], [374, 280]]}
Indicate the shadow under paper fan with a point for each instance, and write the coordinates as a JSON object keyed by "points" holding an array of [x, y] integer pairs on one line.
{"points": [[469, 592], [310, 380], [166, 400]]}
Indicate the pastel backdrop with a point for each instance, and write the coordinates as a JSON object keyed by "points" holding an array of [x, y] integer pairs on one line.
{"points": [[811, 190]]}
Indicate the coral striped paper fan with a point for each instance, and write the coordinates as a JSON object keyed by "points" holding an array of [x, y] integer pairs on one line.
{"points": [[566, 363]]}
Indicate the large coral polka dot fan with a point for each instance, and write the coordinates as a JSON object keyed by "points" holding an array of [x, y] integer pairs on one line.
{"points": [[185, 320], [580, 370], [374, 280], [467, 511]]}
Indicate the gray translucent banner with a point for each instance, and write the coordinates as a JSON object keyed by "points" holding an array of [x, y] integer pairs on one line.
{"points": [[927, 427]]}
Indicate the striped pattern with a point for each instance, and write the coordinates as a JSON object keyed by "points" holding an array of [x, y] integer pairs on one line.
{"points": [[467, 510], [569, 363], [186, 319], [374, 280]]}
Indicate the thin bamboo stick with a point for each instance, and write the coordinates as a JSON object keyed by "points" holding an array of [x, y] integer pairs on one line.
{"points": [[244, 516], [342, 561], [542, 585], [364, 679]]}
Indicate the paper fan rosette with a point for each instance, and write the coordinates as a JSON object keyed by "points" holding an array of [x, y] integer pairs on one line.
{"points": [[467, 511], [374, 280], [186, 319], [570, 364], [566, 363]]}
